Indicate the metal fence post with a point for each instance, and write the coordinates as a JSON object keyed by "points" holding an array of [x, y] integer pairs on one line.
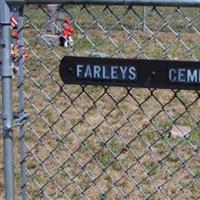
{"points": [[21, 104], [103, 142], [7, 102]]}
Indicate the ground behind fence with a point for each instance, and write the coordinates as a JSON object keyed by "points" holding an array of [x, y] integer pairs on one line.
{"points": [[99, 142]]}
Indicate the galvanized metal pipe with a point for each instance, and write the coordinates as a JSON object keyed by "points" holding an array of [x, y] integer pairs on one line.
{"points": [[6, 72]]}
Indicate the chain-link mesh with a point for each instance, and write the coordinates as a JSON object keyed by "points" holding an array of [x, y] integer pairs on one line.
{"points": [[95, 142]]}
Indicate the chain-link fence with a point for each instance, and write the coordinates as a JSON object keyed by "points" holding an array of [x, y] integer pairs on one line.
{"points": [[100, 142]]}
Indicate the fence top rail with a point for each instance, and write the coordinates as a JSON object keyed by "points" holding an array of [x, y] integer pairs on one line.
{"points": [[186, 3]]}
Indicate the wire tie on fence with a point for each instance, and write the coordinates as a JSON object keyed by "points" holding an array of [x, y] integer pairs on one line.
{"points": [[20, 119], [6, 129]]}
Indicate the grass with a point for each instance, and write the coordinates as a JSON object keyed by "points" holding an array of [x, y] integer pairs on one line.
{"points": [[109, 143]]}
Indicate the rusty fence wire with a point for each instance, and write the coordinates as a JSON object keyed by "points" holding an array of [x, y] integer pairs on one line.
{"points": [[99, 142]]}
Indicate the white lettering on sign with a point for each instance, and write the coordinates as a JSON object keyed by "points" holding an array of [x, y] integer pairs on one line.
{"points": [[172, 75], [97, 70], [78, 71], [181, 75], [123, 71], [105, 76], [132, 72], [192, 76], [112, 72], [184, 75], [88, 72]]}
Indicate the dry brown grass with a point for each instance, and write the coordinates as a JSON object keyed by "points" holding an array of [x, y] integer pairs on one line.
{"points": [[70, 139]]}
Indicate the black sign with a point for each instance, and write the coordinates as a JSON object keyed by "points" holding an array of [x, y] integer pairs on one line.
{"points": [[130, 72]]}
